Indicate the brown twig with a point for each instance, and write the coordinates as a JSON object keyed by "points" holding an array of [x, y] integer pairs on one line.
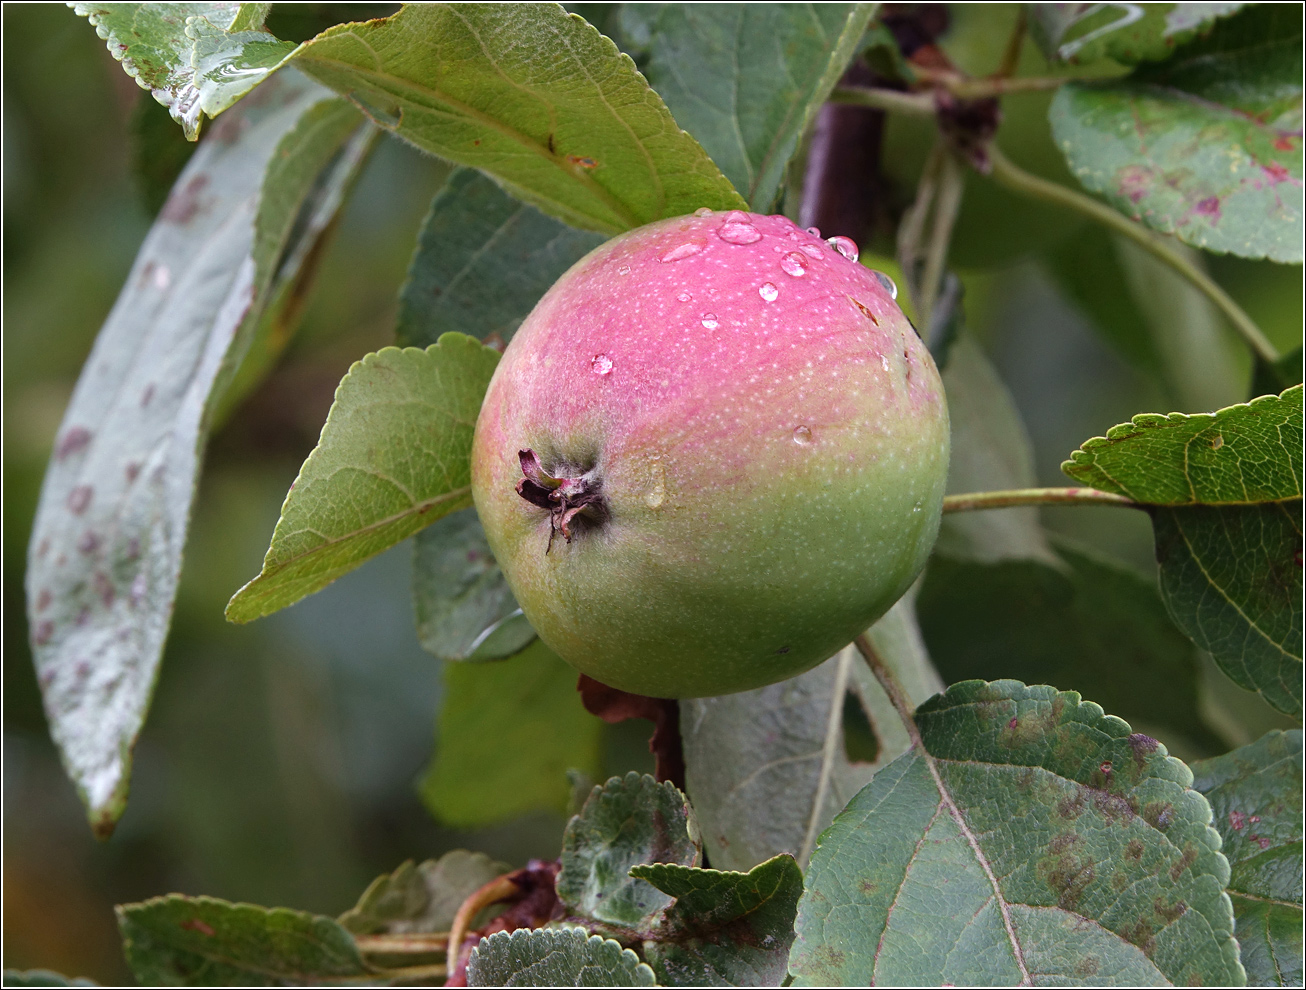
{"points": [[499, 889]]}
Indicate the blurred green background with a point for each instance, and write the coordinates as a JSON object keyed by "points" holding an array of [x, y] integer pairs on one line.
{"points": [[278, 762]]}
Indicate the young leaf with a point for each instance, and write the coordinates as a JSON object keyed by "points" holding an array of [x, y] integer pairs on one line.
{"points": [[577, 133], [202, 941], [44, 978], [724, 929], [1025, 837], [626, 822], [554, 957], [1128, 33], [508, 733], [106, 546], [474, 235], [1085, 621], [421, 898], [196, 59], [1256, 796], [465, 609], [1224, 491], [746, 79], [1206, 145], [395, 455]]}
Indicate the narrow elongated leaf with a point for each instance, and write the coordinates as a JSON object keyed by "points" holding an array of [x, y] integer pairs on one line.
{"points": [[197, 59], [1027, 838], [554, 957], [419, 898], [1128, 33], [747, 79], [395, 455], [1256, 795], [106, 546], [483, 260], [626, 822], [577, 133], [724, 929], [1206, 145], [203, 941], [507, 735]]}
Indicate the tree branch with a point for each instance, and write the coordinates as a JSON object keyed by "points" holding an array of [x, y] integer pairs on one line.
{"points": [[918, 104], [971, 501]]}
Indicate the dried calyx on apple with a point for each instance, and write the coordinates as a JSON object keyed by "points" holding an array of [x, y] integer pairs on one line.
{"points": [[740, 440]]}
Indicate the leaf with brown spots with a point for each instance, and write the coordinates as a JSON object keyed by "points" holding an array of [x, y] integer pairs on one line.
{"points": [[1027, 839]]}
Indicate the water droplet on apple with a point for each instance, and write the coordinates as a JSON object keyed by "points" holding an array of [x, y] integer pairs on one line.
{"points": [[916, 507], [814, 231], [887, 284], [794, 264], [811, 250], [846, 246], [682, 251], [624, 270], [739, 232], [768, 291], [709, 321], [685, 297], [802, 435], [884, 362], [601, 364], [702, 211], [736, 216]]}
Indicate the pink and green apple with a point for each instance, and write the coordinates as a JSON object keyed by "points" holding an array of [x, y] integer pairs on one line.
{"points": [[713, 454]]}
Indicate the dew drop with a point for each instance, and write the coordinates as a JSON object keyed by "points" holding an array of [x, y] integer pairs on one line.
{"points": [[601, 364], [811, 250], [709, 321], [884, 362], [802, 435], [739, 232], [794, 264], [624, 270], [682, 251], [685, 297], [702, 211], [887, 284], [736, 216], [814, 231], [768, 291], [846, 246]]}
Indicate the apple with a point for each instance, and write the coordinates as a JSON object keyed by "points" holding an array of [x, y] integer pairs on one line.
{"points": [[712, 454]]}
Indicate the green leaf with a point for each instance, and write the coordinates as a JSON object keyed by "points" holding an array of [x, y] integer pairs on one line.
{"points": [[1207, 145], [724, 929], [421, 898], [195, 58], [395, 455], [746, 79], [465, 609], [554, 957], [768, 769], [1128, 33], [1083, 620], [1256, 796], [43, 978], [474, 238], [626, 822], [508, 733], [1242, 455], [1231, 578], [531, 95], [1026, 838], [106, 545], [202, 941]]}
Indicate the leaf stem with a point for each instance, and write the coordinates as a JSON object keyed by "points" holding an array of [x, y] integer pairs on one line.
{"points": [[965, 88], [1011, 56], [892, 687], [1018, 180], [971, 501], [499, 889], [947, 204], [917, 104], [419, 943]]}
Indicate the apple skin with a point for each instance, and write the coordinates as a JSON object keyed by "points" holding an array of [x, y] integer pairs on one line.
{"points": [[770, 485]]}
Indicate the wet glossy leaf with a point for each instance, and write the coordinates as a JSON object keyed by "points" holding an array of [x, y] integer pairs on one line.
{"points": [[202, 941], [1027, 838], [43, 978], [106, 545], [554, 957], [724, 929], [577, 133], [1256, 796], [419, 898], [628, 821], [395, 455], [197, 59], [1082, 620], [1207, 145], [1128, 33], [483, 261], [507, 735], [768, 769], [465, 609], [746, 79]]}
